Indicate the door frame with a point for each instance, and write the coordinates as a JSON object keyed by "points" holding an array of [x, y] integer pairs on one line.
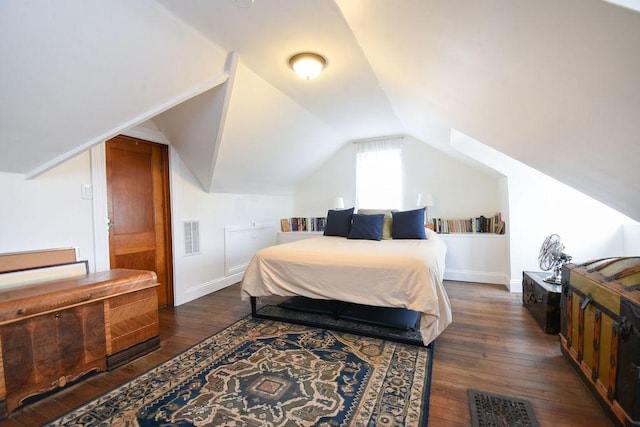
{"points": [[98, 161], [100, 207]]}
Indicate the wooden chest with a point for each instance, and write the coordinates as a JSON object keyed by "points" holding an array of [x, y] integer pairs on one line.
{"points": [[542, 299], [600, 331], [55, 332]]}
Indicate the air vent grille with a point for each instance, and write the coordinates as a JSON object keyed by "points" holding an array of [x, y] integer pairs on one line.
{"points": [[191, 237]]}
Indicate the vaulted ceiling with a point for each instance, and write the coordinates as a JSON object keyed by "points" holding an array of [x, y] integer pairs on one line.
{"points": [[552, 84]]}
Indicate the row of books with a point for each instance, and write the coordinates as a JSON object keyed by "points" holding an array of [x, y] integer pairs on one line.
{"points": [[481, 224], [303, 224]]}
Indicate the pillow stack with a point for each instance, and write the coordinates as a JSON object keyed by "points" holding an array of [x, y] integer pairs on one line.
{"points": [[376, 224]]}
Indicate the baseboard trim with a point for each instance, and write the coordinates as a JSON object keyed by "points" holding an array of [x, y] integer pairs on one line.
{"points": [[515, 286], [206, 288], [477, 276]]}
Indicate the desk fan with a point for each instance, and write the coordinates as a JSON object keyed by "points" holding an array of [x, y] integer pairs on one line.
{"points": [[551, 256]]}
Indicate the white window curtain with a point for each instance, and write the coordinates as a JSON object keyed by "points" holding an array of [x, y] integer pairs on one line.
{"points": [[379, 174]]}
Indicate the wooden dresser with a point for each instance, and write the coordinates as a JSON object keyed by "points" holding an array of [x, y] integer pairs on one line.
{"points": [[54, 332]]}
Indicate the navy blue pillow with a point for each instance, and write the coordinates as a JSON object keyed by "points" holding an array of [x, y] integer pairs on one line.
{"points": [[338, 222], [368, 227], [408, 224]]}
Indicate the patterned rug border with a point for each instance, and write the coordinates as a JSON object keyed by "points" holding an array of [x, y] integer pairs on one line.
{"points": [[157, 370], [512, 411]]}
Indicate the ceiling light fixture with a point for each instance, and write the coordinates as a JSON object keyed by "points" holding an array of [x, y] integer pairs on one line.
{"points": [[307, 65]]}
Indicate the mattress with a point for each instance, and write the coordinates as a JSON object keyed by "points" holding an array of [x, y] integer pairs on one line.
{"points": [[385, 273]]}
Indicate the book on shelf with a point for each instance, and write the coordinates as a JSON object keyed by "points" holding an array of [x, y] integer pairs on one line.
{"points": [[303, 224], [482, 224]]}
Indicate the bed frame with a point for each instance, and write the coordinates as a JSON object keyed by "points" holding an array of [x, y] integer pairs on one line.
{"points": [[328, 321]]}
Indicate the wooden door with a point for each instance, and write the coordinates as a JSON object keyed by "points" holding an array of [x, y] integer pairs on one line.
{"points": [[139, 209]]}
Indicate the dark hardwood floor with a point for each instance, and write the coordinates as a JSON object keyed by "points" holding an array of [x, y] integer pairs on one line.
{"points": [[493, 344]]}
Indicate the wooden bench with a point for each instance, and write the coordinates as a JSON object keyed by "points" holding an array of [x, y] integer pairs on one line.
{"points": [[56, 331]]}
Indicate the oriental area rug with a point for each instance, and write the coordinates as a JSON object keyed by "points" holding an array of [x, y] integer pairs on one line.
{"points": [[261, 372]]}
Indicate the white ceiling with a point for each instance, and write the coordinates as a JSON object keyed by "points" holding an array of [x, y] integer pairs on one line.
{"points": [[347, 97], [552, 84]]}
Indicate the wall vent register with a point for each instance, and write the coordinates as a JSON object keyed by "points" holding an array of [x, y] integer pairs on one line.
{"points": [[191, 237]]}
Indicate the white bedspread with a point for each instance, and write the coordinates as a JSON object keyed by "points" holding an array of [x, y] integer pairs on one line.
{"points": [[387, 273]]}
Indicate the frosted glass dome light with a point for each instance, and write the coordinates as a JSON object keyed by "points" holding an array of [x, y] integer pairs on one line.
{"points": [[307, 65]]}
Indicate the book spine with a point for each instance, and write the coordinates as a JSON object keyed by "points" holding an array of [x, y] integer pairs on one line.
{"points": [[480, 224]]}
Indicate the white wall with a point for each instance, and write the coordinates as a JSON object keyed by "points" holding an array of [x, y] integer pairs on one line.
{"points": [[631, 239], [48, 212], [459, 191], [479, 257], [540, 206], [533, 204], [200, 274], [335, 178]]}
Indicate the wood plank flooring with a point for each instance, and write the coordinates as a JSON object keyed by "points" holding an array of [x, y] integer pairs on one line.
{"points": [[493, 344]]}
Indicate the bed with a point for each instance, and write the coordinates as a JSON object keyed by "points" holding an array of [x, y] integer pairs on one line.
{"points": [[401, 273]]}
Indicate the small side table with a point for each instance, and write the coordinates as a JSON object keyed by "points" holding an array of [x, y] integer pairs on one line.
{"points": [[542, 299]]}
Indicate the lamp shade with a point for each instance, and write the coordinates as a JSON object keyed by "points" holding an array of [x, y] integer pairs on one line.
{"points": [[307, 65], [338, 203], [425, 199]]}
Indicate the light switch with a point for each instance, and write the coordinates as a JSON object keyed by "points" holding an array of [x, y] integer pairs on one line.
{"points": [[87, 191]]}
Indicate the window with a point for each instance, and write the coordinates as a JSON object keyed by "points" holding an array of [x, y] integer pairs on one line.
{"points": [[379, 174]]}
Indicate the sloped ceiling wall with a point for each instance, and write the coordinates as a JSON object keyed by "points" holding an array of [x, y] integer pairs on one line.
{"points": [[347, 98], [195, 126], [552, 84], [75, 73], [270, 143], [242, 136]]}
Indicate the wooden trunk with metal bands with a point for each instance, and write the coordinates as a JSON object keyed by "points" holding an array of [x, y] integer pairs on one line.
{"points": [[600, 331]]}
